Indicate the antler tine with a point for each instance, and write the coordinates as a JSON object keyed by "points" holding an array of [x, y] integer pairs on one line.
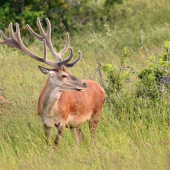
{"points": [[18, 36], [67, 44], [11, 31], [43, 34], [48, 28], [3, 37], [9, 41], [75, 62], [33, 33], [64, 62], [45, 50]]}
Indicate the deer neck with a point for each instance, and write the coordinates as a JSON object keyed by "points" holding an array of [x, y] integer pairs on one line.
{"points": [[51, 94]]}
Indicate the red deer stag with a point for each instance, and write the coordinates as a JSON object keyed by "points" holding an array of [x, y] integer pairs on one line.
{"points": [[61, 104]]}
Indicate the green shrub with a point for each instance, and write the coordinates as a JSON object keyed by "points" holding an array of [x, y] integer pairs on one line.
{"points": [[110, 3], [153, 80], [156, 77]]}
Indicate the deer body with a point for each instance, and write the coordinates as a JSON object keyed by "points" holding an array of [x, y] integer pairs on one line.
{"points": [[65, 101], [72, 108]]}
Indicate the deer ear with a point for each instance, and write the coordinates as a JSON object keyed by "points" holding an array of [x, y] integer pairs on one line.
{"points": [[44, 70]]}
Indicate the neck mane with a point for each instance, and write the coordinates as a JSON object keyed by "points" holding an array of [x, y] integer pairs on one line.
{"points": [[49, 96]]}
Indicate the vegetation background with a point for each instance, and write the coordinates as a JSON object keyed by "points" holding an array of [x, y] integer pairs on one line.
{"points": [[125, 46]]}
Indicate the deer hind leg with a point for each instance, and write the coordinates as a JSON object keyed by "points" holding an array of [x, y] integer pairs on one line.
{"points": [[78, 134], [47, 131], [60, 131], [93, 125]]}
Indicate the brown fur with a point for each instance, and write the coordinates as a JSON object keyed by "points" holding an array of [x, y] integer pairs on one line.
{"points": [[77, 106]]}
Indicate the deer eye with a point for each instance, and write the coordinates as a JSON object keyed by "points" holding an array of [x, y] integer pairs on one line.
{"points": [[64, 76]]}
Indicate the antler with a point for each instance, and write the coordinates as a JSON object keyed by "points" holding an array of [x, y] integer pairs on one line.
{"points": [[47, 37], [16, 42]]}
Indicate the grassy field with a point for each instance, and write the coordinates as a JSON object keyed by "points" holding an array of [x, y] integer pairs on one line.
{"points": [[134, 135]]}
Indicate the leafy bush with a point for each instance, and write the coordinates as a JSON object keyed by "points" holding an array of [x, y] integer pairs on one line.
{"points": [[64, 15], [117, 77], [109, 3], [155, 79]]}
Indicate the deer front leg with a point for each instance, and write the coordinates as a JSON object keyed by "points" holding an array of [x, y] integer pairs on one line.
{"points": [[47, 131], [60, 130]]}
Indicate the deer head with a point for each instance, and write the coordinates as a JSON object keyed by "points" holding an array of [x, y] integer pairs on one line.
{"points": [[58, 76]]}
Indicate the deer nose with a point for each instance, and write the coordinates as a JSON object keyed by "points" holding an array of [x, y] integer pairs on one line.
{"points": [[85, 85]]}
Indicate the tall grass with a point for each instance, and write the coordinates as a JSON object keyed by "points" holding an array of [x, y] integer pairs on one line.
{"points": [[134, 134]]}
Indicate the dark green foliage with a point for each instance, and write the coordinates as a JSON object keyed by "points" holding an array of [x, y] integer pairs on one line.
{"points": [[151, 75], [27, 12], [110, 3], [64, 15], [156, 77]]}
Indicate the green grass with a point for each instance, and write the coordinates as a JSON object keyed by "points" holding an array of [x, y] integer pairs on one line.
{"points": [[131, 135], [135, 136]]}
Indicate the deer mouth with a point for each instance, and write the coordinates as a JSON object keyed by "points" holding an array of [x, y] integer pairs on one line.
{"points": [[80, 89]]}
